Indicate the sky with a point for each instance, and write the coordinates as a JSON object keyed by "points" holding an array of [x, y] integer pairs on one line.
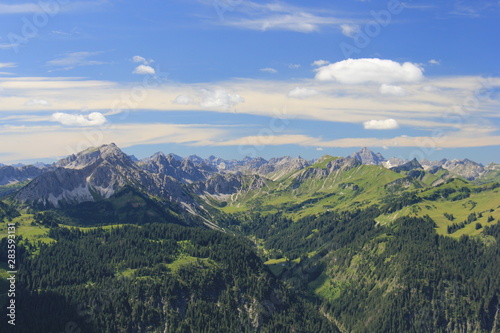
{"points": [[236, 78]]}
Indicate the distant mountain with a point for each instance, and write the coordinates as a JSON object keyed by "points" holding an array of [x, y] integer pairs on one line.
{"points": [[368, 157], [96, 174], [12, 175], [466, 168], [174, 166], [408, 166], [197, 184], [394, 162]]}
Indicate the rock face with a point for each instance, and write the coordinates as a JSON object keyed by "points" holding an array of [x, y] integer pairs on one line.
{"points": [[11, 175], [466, 168], [408, 166], [88, 176], [99, 173], [367, 157], [174, 166]]}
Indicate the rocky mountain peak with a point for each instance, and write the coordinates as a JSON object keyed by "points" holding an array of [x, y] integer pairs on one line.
{"points": [[368, 157]]}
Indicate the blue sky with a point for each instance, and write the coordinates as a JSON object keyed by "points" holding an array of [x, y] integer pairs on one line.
{"points": [[261, 78]]}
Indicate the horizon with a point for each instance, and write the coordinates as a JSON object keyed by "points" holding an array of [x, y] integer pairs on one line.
{"points": [[256, 78], [128, 152]]}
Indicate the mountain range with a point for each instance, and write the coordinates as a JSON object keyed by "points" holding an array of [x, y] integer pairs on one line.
{"points": [[337, 244]]}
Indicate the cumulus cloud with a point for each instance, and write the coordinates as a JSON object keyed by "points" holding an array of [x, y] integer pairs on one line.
{"points": [[220, 99], [299, 92], [268, 70], [34, 101], [381, 124], [388, 89], [92, 119], [144, 70], [319, 63], [370, 70], [349, 30], [142, 60]]}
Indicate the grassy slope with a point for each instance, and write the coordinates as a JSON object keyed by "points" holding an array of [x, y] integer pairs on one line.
{"points": [[317, 195]]}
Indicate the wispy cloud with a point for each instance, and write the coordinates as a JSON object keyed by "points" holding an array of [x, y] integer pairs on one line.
{"points": [[7, 64], [349, 30], [8, 46], [21, 8], [268, 70], [388, 89], [49, 7], [211, 99], [299, 92], [36, 102], [319, 63], [75, 59], [277, 16]]}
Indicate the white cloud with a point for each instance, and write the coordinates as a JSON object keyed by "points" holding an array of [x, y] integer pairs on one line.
{"points": [[144, 70], [268, 70], [219, 99], [8, 46], [320, 149], [75, 59], [138, 59], [23, 8], [381, 124], [434, 62], [370, 70], [34, 101], [299, 92], [183, 100], [142, 60], [47, 7], [349, 30], [387, 89], [429, 88], [319, 63], [92, 119], [7, 64], [277, 16]]}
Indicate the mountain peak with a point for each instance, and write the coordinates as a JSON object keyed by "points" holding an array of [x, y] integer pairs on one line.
{"points": [[368, 157], [92, 155]]}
